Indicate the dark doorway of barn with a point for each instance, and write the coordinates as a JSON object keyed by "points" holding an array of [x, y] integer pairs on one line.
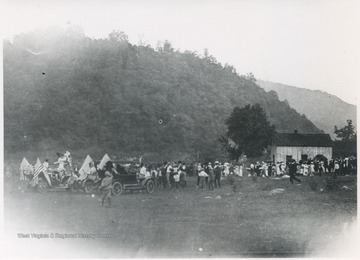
{"points": [[288, 159], [304, 157], [320, 158]]}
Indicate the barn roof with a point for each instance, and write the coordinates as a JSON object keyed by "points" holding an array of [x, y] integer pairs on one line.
{"points": [[296, 139]]}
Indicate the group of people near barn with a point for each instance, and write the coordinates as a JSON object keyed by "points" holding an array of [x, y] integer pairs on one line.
{"points": [[339, 166], [209, 175], [173, 175]]}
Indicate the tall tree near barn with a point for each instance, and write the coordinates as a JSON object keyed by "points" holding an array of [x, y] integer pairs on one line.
{"points": [[347, 133], [248, 132], [346, 143]]}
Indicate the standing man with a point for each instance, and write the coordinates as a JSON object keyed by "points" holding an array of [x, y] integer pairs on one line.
{"points": [[217, 172], [336, 168], [163, 175], [258, 169], [252, 170], [331, 165], [171, 176], [106, 187], [292, 171], [211, 177], [199, 168], [168, 172], [143, 171]]}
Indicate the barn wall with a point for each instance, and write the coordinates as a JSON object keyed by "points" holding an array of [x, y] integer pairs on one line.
{"points": [[281, 152]]}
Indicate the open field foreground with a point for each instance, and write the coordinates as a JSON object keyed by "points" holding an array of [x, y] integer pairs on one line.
{"points": [[264, 218]]}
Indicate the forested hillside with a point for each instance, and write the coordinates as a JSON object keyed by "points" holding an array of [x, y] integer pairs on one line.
{"points": [[323, 109], [63, 90]]}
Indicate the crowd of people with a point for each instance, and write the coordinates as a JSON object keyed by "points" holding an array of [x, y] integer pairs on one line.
{"points": [[339, 166], [173, 175], [209, 175]]}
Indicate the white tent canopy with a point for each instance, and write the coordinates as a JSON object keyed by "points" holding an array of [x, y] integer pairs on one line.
{"points": [[103, 161], [25, 168], [85, 168]]}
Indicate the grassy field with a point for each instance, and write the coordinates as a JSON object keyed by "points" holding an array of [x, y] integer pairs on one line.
{"points": [[254, 219]]}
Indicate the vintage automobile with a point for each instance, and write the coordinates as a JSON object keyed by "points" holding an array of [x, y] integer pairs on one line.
{"points": [[43, 181], [50, 181], [131, 182], [127, 179], [90, 184]]}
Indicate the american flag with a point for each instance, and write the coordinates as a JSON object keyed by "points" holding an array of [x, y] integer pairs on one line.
{"points": [[37, 171]]}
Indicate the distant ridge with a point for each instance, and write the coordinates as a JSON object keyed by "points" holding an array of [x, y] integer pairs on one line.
{"points": [[323, 109]]}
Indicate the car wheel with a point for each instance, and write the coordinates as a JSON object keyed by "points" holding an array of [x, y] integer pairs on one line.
{"points": [[75, 187], [42, 186], [88, 186], [117, 188], [150, 186]]}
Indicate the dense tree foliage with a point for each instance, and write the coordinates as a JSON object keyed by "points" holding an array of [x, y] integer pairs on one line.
{"points": [[347, 133], [347, 140], [63, 90], [248, 132]]}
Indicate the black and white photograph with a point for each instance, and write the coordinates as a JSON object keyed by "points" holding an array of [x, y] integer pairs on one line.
{"points": [[179, 129]]}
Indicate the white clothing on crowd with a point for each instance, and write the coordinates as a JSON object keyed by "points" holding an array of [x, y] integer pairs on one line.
{"points": [[177, 177], [202, 173], [226, 170], [142, 172], [61, 161], [306, 169]]}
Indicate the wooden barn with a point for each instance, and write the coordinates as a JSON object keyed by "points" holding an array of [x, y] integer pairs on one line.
{"points": [[288, 146]]}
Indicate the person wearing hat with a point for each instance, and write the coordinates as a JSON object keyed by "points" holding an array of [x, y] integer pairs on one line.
{"points": [[292, 171], [106, 187], [217, 173]]}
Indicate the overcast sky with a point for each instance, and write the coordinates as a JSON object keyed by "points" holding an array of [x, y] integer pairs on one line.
{"points": [[305, 43]]}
